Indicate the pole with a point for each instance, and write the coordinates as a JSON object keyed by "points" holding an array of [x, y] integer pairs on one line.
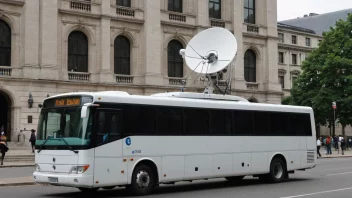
{"points": [[333, 125]]}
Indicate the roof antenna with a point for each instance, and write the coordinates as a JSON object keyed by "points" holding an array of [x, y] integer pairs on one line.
{"points": [[215, 48]]}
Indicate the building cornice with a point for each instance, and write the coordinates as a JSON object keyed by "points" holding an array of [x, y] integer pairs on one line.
{"points": [[99, 16], [89, 15], [178, 24], [294, 48], [73, 83], [283, 30], [254, 35]]}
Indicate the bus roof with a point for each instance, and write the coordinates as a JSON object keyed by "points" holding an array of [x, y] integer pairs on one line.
{"points": [[187, 99]]}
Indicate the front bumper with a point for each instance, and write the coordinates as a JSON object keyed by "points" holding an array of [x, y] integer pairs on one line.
{"points": [[69, 180]]}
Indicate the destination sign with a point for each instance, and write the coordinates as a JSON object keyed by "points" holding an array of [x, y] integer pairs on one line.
{"points": [[67, 102]]}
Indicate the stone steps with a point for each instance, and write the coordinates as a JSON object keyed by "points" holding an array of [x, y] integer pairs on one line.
{"points": [[19, 158]]}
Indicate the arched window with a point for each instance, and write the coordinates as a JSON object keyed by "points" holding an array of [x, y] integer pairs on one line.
{"points": [[77, 52], [5, 44], [122, 55], [175, 61], [250, 66]]}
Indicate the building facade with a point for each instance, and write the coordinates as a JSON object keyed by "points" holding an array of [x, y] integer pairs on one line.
{"points": [[294, 45], [50, 47]]}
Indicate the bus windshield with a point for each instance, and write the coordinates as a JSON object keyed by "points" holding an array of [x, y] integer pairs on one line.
{"points": [[60, 125]]}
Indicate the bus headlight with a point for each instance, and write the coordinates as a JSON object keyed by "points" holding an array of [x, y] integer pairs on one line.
{"points": [[79, 169], [37, 168]]}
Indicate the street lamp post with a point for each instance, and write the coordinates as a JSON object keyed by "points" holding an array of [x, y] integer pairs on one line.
{"points": [[333, 125]]}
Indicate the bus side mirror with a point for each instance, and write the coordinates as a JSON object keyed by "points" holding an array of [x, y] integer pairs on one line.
{"points": [[84, 111]]}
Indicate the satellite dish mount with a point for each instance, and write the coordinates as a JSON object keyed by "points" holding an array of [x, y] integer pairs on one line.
{"points": [[209, 53]]}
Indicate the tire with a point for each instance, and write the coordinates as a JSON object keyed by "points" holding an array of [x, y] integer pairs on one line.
{"points": [[278, 171], [233, 179], [109, 187], [88, 190], [143, 180]]}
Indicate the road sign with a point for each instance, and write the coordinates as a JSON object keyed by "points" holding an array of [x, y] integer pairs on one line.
{"points": [[334, 105]]}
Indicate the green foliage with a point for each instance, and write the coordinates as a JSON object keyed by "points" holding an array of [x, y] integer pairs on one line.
{"points": [[327, 76]]}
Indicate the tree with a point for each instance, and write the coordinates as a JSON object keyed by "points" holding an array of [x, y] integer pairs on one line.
{"points": [[327, 77]]}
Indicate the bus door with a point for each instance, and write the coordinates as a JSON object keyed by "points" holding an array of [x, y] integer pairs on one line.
{"points": [[109, 167]]}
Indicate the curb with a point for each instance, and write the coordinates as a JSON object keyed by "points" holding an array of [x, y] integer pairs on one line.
{"points": [[18, 184], [335, 157]]}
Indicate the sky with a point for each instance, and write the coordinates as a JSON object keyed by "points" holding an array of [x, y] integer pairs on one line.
{"points": [[290, 9]]}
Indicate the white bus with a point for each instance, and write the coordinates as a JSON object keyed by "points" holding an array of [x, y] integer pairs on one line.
{"points": [[108, 139]]}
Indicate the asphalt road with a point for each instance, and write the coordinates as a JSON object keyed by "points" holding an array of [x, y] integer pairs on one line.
{"points": [[331, 178]]}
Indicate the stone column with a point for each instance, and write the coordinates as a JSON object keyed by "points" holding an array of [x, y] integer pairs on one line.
{"points": [[48, 39], [238, 82], [153, 43], [106, 74], [288, 73], [31, 37], [271, 81], [202, 13]]}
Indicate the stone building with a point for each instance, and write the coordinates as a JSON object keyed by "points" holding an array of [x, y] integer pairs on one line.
{"points": [[49, 47], [294, 45]]}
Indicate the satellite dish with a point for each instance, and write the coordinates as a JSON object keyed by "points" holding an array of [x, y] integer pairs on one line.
{"points": [[214, 47], [210, 52]]}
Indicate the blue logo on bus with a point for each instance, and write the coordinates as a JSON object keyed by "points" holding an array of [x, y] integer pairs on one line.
{"points": [[128, 141]]}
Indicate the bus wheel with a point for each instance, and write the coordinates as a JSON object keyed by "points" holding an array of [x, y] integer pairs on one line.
{"points": [[233, 179], [88, 190], [278, 171], [143, 180]]}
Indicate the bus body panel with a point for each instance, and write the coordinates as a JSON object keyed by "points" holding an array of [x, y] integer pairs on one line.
{"points": [[110, 168], [224, 164], [174, 166], [64, 161]]}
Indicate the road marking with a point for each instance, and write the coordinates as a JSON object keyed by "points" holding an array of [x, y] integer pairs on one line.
{"points": [[318, 193], [340, 173]]}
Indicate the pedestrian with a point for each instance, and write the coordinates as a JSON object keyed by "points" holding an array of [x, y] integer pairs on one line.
{"points": [[318, 147], [32, 140], [328, 145], [3, 147], [343, 144]]}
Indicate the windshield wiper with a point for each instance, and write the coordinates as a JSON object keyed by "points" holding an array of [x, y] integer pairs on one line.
{"points": [[41, 146], [69, 146]]}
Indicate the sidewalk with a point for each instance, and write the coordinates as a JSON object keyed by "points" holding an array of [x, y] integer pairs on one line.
{"points": [[335, 153], [19, 181]]}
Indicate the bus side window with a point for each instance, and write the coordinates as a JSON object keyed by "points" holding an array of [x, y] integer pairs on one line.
{"points": [[108, 127]]}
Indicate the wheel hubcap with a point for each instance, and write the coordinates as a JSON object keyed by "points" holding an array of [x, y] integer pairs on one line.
{"points": [[278, 170], [143, 179]]}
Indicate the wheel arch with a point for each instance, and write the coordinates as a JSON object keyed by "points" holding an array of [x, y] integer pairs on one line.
{"points": [[277, 155], [147, 161]]}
